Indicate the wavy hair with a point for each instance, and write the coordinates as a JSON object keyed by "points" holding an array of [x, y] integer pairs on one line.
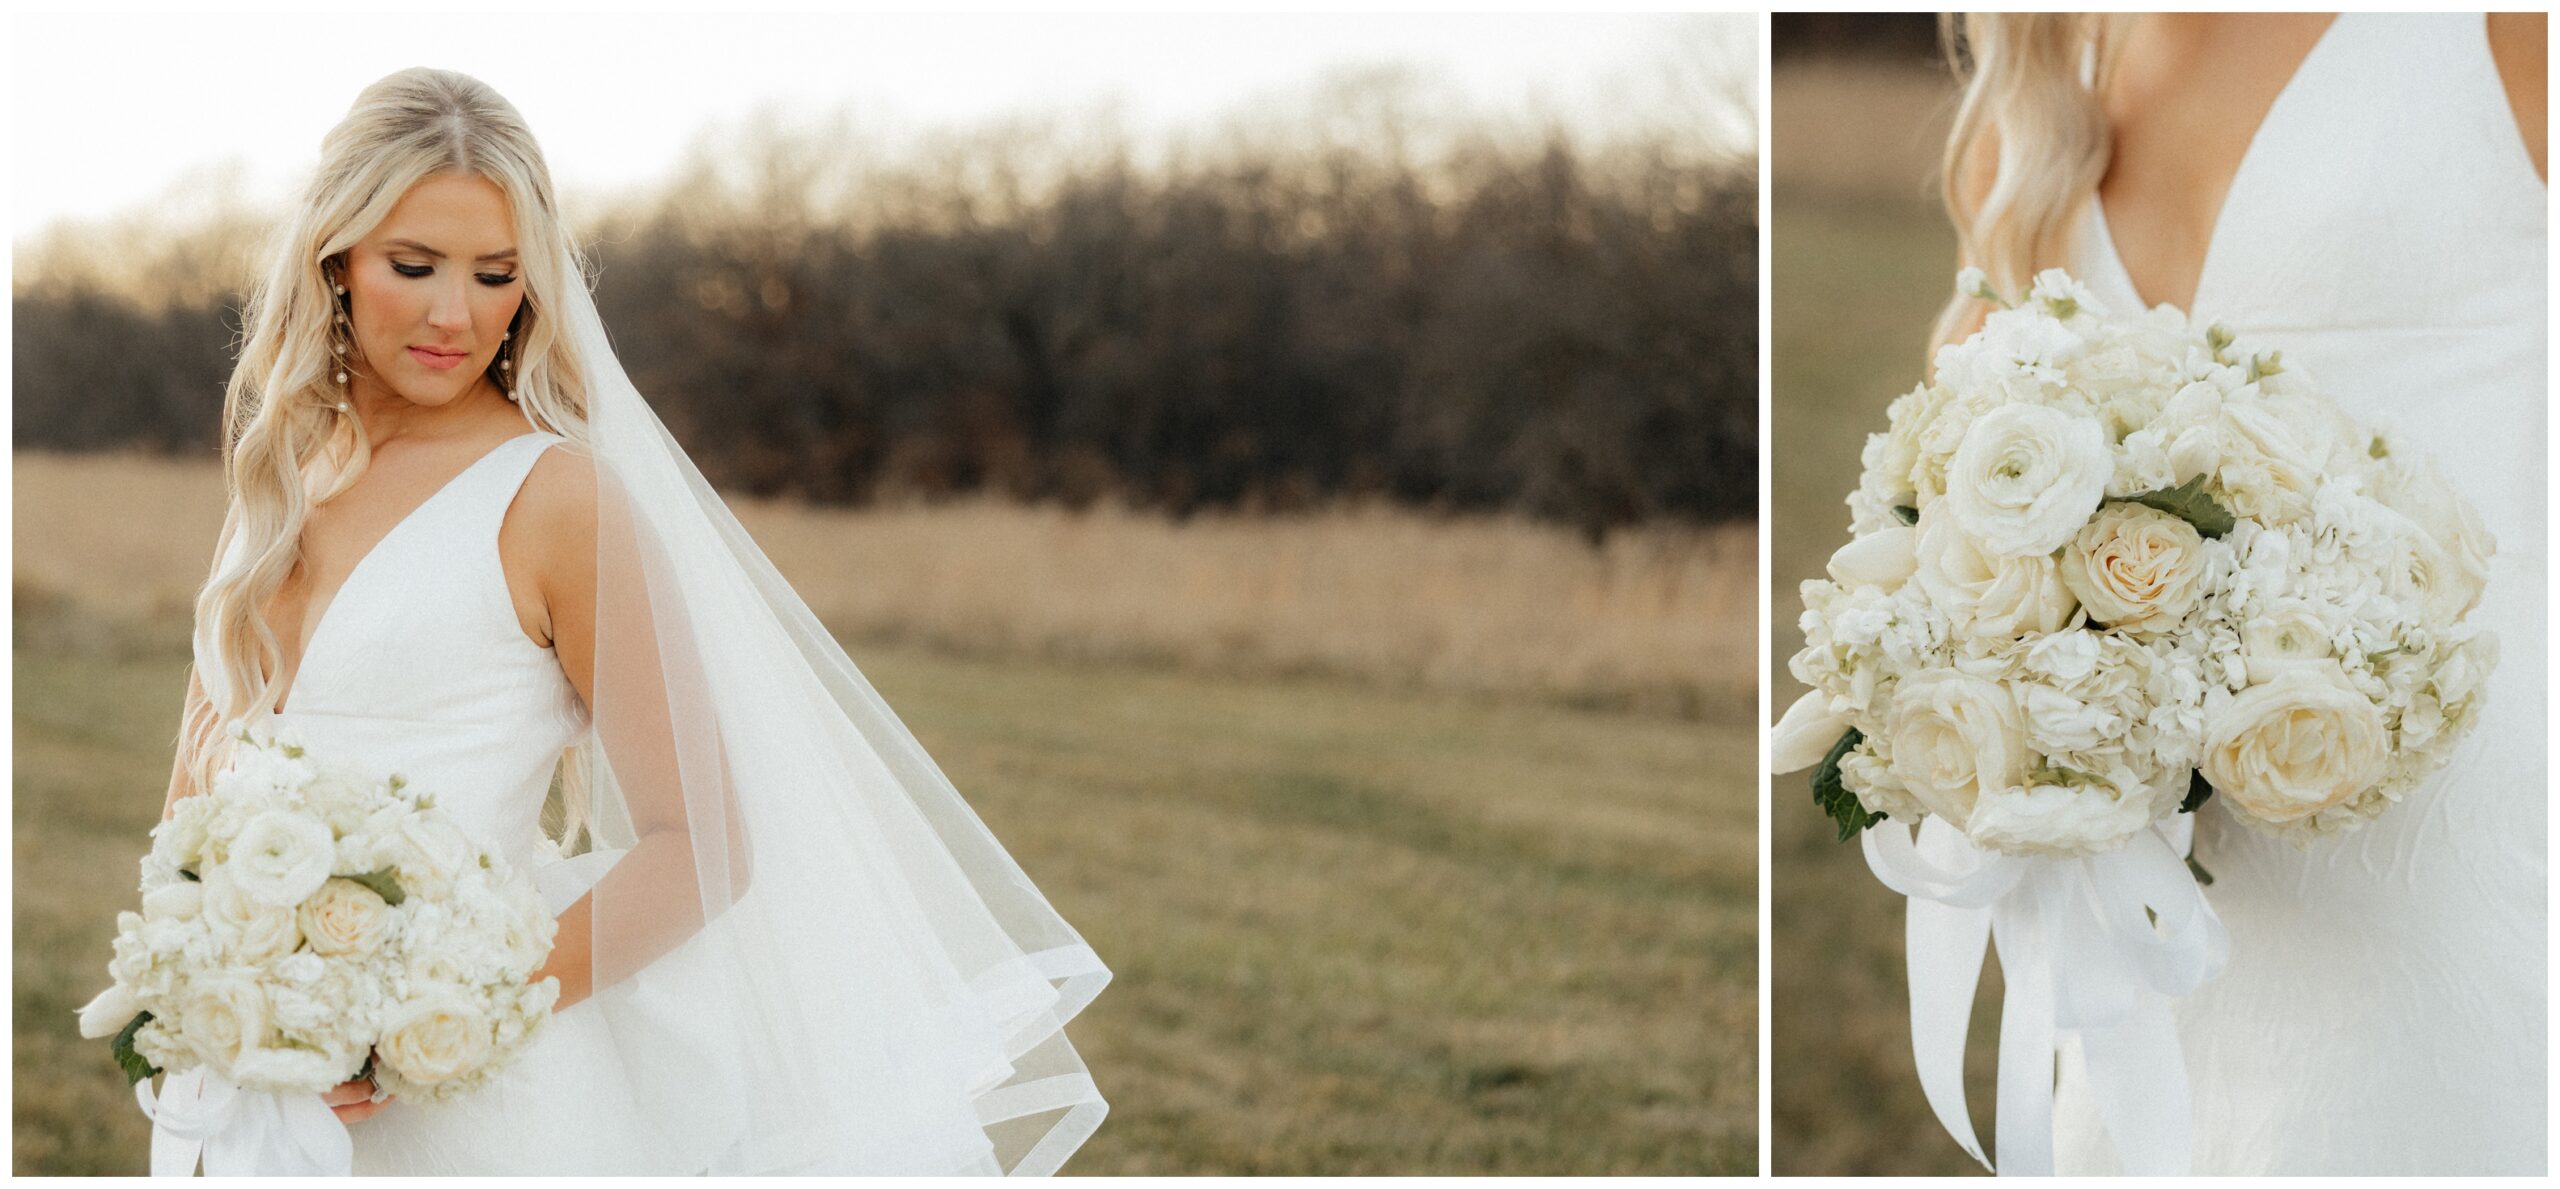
{"points": [[288, 443], [2030, 83]]}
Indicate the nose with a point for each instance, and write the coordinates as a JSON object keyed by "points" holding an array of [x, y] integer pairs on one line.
{"points": [[449, 311]]}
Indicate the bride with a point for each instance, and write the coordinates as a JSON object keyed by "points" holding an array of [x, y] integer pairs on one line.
{"points": [[460, 546], [2366, 192]]}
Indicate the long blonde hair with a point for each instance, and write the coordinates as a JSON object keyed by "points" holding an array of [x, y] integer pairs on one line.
{"points": [[2025, 92], [287, 444]]}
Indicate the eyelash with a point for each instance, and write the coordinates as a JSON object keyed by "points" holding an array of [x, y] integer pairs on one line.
{"points": [[492, 281]]}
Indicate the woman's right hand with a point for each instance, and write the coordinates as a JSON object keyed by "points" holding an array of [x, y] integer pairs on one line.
{"points": [[353, 1101]]}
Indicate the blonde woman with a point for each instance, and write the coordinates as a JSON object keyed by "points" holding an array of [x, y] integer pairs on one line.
{"points": [[460, 546], [2367, 192]]}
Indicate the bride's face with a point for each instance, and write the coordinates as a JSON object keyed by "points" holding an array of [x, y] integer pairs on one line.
{"points": [[432, 290]]}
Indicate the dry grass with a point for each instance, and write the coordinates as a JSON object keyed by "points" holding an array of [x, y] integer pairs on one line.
{"points": [[1859, 262], [1658, 619]]}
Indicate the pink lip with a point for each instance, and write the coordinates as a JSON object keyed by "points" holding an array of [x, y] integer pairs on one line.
{"points": [[438, 360]]}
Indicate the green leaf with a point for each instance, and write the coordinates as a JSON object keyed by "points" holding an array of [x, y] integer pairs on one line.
{"points": [[2188, 502], [2198, 792], [1906, 513], [2197, 869], [1836, 800], [189, 876], [383, 885], [134, 1066]]}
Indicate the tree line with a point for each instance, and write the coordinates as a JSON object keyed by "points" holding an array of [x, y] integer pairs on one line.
{"points": [[1466, 322]]}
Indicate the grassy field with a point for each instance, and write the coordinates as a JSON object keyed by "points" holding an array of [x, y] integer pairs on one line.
{"points": [[1393, 925], [1860, 260]]}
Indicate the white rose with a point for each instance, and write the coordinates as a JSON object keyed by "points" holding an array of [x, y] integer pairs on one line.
{"points": [[2288, 635], [1988, 594], [2419, 492], [436, 1038], [1805, 734], [222, 1017], [345, 917], [2053, 820], [280, 858], [2299, 744], [254, 931], [2026, 478], [429, 855], [107, 1014], [1953, 739], [2136, 569], [1878, 559]]}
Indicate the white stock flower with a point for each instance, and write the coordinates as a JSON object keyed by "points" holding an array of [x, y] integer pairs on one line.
{"points": [[2026, 478], [1985, 593], [2294, 746]]}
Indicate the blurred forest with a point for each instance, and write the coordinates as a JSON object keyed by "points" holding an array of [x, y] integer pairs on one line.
{"points": [[1365, 300]]}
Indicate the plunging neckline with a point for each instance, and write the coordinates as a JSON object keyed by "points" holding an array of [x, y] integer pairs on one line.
{"points": [[319, 626], [2231, 190]]}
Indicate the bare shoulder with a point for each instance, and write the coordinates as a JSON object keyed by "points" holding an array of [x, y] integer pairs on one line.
{"points": [[547, 543], [2519, 42]]}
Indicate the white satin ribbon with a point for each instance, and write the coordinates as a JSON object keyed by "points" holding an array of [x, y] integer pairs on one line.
{"points": [[241, 1132], [2098, 946]]}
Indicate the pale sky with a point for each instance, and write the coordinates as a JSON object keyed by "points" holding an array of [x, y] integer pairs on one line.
{"points": [[116, 111]]}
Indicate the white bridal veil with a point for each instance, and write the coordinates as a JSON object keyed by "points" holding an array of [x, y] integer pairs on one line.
{"points": [[813, 956]]}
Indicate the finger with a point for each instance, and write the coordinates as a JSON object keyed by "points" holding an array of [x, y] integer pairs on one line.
{"points": [[345, 1093], [357, 1112]]}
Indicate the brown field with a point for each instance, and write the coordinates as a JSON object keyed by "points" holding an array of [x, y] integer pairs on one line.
{"points": [[1657, 619]]}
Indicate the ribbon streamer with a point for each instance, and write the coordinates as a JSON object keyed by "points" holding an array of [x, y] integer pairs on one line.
{"points": [[241, 1132], [2099, 947]]}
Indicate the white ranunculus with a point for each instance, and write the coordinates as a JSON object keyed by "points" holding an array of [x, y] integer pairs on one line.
{"points": [[2299, 744], [252, 931], [2026, 478], [2135, 568], [1953, 738], [345, 917], [1985, 593], [222, 1017], [1879, 559], [436, 1038], [2289, 634], [107, 1014], [1805, 733], [281, 857]]}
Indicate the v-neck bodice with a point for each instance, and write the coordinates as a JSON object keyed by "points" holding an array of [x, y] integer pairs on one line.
{"points": [[418, 665], [2384, 1008]]}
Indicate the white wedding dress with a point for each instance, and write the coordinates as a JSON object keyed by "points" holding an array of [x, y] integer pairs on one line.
{"points": [[417, 665], [2383, 1010]]}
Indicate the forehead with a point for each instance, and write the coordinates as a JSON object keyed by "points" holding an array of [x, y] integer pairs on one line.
{"points": [[460, 214]]}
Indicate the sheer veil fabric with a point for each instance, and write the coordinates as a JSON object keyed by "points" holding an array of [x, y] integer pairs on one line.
{"points": [[812, 955]]}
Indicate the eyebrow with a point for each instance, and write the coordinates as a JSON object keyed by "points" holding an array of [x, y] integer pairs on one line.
{"points": [[413, 245]]}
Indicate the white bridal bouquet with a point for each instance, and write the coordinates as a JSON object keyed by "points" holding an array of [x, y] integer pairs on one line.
{"points": [[304, 923], [2103, 569]]}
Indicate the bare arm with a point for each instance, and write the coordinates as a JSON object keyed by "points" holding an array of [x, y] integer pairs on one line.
{"points": [[2519, 41]]}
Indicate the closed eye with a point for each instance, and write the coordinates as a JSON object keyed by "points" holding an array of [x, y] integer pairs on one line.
{"points": [[492, 280]]}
